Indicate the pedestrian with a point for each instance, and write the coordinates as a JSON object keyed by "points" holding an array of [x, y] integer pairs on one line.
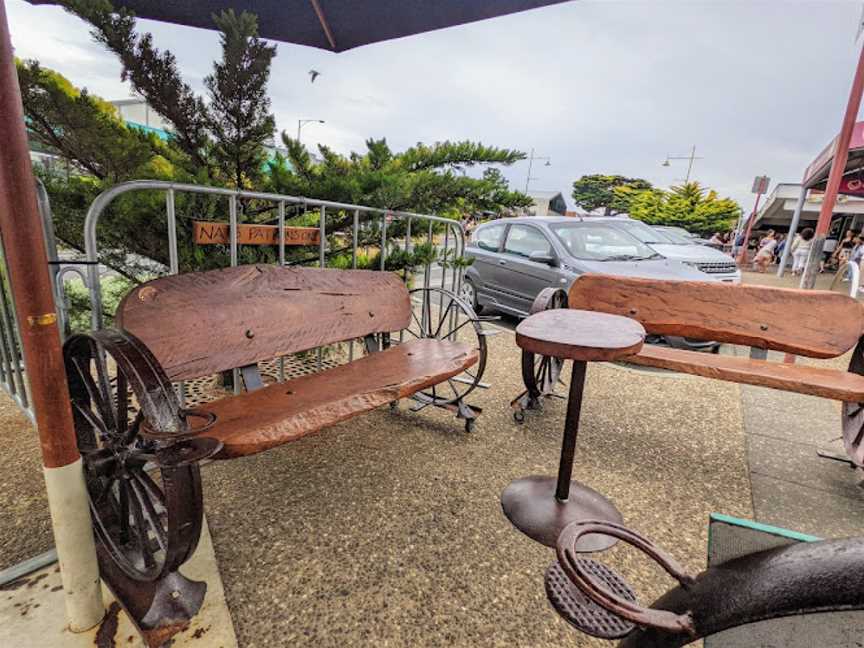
{"points": [[801, 250], [766, 252]]}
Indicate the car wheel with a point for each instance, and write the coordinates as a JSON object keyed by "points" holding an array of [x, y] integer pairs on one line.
{"points": [[469, 294]]}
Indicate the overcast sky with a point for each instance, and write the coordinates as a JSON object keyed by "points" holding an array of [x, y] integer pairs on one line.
{"points": [[600, 87]]}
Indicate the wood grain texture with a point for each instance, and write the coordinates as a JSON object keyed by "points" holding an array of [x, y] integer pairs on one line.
{"points": [[201, 323], [812, 323], [816, 381], [580, 335], [255, 421]]}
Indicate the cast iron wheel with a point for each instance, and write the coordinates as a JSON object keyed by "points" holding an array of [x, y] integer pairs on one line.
{"points": [[139, 453], [445, 316], [542, 373]]}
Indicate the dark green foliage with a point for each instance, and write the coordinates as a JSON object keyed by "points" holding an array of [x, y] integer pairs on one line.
{"points": [[690, 206], [422, 178], [611, 193], [240, 118]]}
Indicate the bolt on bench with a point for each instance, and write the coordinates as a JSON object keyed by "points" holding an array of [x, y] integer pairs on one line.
{"points": [[128, 417], [810, 323]]}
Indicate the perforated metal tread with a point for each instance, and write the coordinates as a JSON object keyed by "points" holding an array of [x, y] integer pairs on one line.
{"points": [[582, 613]]}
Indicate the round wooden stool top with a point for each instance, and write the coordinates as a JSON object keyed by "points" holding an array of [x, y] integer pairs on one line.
{"points": [[580, 335]]}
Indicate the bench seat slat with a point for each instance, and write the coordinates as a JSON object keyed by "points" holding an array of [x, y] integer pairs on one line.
{"points": [[816, 381], [256, 421]]}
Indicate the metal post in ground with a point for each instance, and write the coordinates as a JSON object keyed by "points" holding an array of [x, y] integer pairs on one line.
{"points": [[793, 229], [31, 289], [838, 167]]}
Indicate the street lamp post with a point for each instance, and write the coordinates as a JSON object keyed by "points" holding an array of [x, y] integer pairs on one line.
{"points": [[690, 157], [302, 122], [531, 159]]}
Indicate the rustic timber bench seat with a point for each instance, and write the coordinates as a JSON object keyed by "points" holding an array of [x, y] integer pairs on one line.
{"points": [[200, 324], [815, 324], [141, 448]]}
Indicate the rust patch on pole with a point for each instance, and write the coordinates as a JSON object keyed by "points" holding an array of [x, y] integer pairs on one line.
{"points": [[29, 279]]}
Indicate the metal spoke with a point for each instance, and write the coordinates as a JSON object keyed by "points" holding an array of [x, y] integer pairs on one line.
{"points": [[123, 496], [143, 536], [122, 417], [104, 384], [91, 418], [152, 487], [453, 331], [92, 389], [443, 319], [149, 513]]}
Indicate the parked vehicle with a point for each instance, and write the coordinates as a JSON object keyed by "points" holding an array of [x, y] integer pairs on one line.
{"points": [[676, 247], [516, 258], [689, 237]]}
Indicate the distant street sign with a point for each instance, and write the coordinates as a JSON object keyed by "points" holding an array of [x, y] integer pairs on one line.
{"points": [[760, 184]]}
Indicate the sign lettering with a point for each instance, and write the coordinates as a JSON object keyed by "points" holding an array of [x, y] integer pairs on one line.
{"points": [[210, 233]]}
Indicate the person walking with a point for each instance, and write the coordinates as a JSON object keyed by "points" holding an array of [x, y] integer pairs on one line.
{"points": [[801, 250], [766, 252]]}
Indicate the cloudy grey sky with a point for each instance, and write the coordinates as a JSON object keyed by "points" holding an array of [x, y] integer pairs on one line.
{"points": [[599, 86]]}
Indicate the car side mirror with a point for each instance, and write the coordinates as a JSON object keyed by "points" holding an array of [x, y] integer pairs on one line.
{"points": [[543, 257]]}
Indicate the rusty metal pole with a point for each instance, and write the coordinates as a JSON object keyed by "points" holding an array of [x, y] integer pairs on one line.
{"points": [[742, 255], [30, 285], [838, 167]]}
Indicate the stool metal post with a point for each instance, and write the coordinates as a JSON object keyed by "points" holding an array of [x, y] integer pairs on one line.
{"points": [[571, 430]]}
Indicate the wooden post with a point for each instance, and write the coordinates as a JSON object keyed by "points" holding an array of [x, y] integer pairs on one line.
{"points": [[30, 285]]}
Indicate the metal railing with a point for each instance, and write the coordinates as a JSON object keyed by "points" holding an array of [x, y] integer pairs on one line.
{"points": [[453, 237], [13, 372]]}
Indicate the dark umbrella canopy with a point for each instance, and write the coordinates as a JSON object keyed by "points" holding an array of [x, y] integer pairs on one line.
{"points": [[335, 25]]}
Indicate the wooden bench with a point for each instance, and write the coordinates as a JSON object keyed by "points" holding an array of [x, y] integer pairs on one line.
{"points": [[808, 323], [129, 419]]}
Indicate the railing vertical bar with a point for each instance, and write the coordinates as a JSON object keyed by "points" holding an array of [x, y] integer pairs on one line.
{"points": [[281, 223], [443, 269], [232, 216], [14, 349], [281, 232], [232, 227], [456, 269], [322, 261], [173, 260], [383, 254], [8, 374], [408, 274], [355, 232]]}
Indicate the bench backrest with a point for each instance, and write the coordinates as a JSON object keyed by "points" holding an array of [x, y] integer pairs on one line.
{"points": [[202, 323], [813, 323]]}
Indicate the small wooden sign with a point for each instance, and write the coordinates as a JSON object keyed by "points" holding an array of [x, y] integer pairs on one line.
{"points": [[210, 233]]}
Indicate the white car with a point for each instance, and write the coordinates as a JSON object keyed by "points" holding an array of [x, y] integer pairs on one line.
{"points": [[675, 247]]}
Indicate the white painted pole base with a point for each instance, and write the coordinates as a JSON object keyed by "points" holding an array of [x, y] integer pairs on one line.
{"points": [[76, 549]]}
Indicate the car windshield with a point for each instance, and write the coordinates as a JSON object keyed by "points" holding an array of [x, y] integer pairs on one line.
{"points": [[675, 237], [643, 232], [597, 242]]}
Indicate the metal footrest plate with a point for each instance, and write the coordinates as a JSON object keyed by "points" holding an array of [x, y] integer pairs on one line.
{"points": [[578, 610]]}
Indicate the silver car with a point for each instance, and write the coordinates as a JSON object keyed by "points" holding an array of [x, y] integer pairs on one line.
{"points": [[516, 258], [678, 248]]}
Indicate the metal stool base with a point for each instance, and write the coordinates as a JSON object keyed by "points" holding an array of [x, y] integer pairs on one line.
{"points": [[582, 613], [531, 506]]}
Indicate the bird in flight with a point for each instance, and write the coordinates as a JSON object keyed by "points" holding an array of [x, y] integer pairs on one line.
{"points": [[313, 74]]}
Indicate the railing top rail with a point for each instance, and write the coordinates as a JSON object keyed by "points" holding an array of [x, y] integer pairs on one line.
{"points": [[106, 197]]}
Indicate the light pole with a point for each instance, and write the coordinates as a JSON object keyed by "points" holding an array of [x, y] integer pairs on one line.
{"points": [[690, 157], [531, 159], [302, 122]]}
